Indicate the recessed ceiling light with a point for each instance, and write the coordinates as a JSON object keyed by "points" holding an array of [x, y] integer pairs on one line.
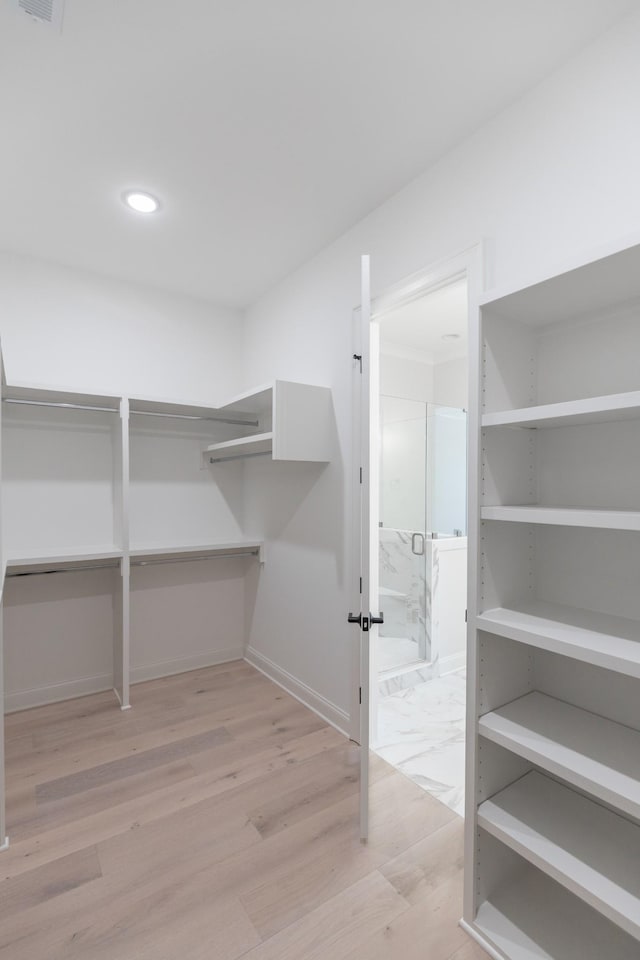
{"points": [[141, 202], [450, 336]]}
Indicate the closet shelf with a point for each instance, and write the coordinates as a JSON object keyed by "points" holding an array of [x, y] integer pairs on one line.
{"points": [[565, 516], [603, 640], [61, 558], [591, 851], [533, 918], [588, 751], [180, 551], [260, 443], [617, 406]]}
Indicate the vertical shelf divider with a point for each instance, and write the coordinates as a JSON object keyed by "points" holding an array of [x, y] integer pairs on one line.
{"points": [[121, 645]]}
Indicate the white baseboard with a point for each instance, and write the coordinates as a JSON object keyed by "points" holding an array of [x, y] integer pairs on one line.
{"points": [[54, 692], [479, 938], [5, 845], [333, 714], [70, 689], [456, 661], [167, 668]]}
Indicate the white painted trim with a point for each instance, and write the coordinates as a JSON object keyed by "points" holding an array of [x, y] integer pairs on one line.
{"points": [[328, 711], [479, 938], [564, 265], [452, 663], [5, 845], [55, 692], [168, 668]]}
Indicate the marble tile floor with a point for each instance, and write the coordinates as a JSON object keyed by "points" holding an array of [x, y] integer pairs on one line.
{"points": [[421, 732]]}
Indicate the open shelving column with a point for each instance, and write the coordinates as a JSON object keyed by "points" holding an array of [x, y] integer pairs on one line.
{"points": [[553, 762]]}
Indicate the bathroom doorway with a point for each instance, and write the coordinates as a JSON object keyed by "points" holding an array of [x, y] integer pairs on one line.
{"points": [[419, 655]]}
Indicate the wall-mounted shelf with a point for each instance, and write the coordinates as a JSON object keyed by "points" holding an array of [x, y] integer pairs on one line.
{"points": [[255, 446], [294, 423], [62, 560], [617, 406], [564, 516], [600, 639], [591, 851], [592, 753]]}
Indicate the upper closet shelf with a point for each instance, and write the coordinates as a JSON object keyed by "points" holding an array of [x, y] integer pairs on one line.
{"points": [[583, 749], [618, 406], [565, 516], [60, 559], [23, 393], [600, 639], [192, 551]]}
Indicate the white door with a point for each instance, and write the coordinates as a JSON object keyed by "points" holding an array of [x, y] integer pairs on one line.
{"points": [[367, 617]]}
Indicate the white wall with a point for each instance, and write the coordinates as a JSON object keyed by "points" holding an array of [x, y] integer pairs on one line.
{"points": [[409, 379], [554, 175], [70, 328], [451, 387]]}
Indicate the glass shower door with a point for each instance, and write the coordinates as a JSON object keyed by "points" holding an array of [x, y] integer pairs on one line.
{"points": [[402, 639]]}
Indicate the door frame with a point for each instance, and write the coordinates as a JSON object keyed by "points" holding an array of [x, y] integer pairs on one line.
{"points": [[470, 264]]}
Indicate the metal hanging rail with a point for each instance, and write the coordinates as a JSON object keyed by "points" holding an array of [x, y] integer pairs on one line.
{"points": [[186, 416], [65, 406], [212, 556], [240, 456]]}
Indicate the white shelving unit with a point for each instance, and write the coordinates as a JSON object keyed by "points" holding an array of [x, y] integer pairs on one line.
{"points": [[553, 768], [284, 411], [101, 483]]}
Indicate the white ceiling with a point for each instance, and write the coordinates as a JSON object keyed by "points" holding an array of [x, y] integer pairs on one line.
{"points": [[416, 329], [266, 128]]}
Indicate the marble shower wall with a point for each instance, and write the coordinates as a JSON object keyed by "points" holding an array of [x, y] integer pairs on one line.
{"points": [[404, 595]]}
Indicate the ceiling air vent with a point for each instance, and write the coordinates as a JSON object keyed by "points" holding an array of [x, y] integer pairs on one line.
{"points": [[45, 11]]}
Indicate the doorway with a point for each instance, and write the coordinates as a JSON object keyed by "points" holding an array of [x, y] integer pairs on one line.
{"points": [[418, 657]]}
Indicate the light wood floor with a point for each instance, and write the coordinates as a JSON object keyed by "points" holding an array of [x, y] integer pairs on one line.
{"points": [[216, 819]]}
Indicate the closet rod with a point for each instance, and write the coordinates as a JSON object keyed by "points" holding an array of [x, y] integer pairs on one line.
{"points": [[92, 566], [185, 416], [204, 556], [240, 456], [66, 406]]}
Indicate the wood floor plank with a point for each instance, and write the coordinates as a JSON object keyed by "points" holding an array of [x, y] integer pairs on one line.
{"points": [[27, 820], [470, 951], [106, 773], [152, 839], [429, 930], [49, 881], [425, 865], [335, 929]]}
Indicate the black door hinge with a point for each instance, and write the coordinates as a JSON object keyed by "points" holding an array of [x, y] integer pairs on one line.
{"points": [[358, 356], [360, 695]]}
